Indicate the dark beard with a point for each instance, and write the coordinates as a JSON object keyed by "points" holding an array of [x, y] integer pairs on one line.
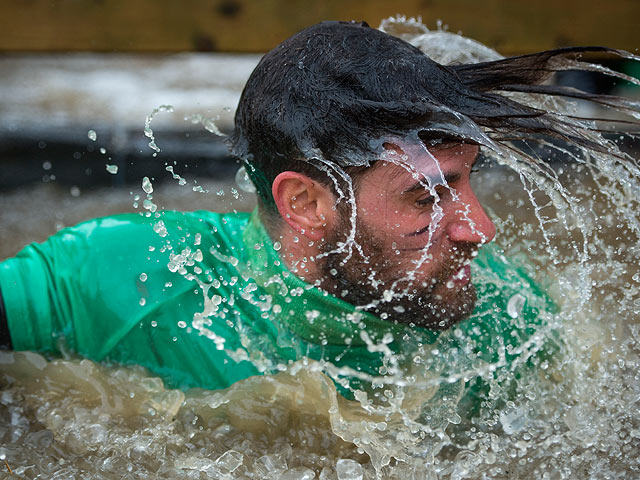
{"points": [[422, 306]]}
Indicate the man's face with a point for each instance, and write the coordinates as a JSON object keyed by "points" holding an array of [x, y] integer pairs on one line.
{"points": [[420, 224]]}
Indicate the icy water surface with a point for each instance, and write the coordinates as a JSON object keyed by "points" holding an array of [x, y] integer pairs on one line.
{"points": [[72, 418]]}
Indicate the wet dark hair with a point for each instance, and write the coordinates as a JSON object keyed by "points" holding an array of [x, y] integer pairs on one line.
{"points": [[335, 89]]}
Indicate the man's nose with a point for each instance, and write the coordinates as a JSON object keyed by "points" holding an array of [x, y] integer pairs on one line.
{"points": [[469, 222]]}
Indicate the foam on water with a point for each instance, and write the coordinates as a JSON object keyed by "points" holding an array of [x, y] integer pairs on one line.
{"points": [[560, 400]]}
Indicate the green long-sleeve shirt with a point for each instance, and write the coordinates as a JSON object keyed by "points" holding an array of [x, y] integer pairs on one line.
{"points": [[202, 299]]}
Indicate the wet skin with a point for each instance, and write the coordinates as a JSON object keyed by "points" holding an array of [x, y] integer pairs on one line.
{"points": [[420, 224]]}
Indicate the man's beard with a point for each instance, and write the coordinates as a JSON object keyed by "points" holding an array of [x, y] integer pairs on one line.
{"points": [[427, 302]]}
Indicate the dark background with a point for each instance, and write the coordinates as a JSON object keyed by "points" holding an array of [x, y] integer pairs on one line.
{"points": [[68, 66]]}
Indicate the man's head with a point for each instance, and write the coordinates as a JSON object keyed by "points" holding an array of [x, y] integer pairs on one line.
{"points": [[419, 225], [401, 244], [331, 92], [361, 147]]}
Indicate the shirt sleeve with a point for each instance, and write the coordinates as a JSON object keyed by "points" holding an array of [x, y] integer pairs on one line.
{"points": [[83, 288], [104, 290], [26, 289]]}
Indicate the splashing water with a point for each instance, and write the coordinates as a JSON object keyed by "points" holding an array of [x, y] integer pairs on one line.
{"points": [[243, 181], [147, 126], [557, 398], [209, 123]]}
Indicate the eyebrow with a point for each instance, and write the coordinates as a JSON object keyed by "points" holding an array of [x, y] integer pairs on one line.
{"points": [[419, 185]]}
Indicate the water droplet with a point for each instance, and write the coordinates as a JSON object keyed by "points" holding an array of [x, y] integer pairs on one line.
{"points": [[147, 126], [513, 420], [113, 169], [312, 315], [46, 165], [277, 246], [243, 181], [92, 135], [149, 205], [142, 303], [75, 191], [160, 228], [515, 305], [103, 150], [146, 185], [143, 277]]}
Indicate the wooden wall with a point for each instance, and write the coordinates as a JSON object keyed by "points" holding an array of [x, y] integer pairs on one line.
{"points": [[511, 26]]}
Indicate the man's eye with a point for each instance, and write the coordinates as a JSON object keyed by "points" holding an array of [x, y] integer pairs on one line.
{"points": [[423, 202]]}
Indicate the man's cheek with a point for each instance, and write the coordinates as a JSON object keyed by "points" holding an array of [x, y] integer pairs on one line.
{"points": [[427, 242]]}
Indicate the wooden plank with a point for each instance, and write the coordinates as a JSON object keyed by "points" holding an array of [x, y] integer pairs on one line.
{"points": [[516, 26]]}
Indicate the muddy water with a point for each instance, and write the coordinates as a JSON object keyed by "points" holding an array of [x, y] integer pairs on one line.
{"points": [[575, 418]]}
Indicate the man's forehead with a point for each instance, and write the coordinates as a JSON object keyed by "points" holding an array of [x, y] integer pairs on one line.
{"points": [[406, 161], [444, 147]]}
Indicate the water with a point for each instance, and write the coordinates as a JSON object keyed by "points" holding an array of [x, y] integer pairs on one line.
{"points": [[576, 420], [573, 414]]}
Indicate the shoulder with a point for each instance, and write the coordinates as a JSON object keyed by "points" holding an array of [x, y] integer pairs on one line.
{"points": [[169, 225]]}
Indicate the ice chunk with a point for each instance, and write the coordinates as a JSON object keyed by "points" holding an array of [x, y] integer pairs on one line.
{"points": [[229, 460], [270, 466], [298, 473], [348, 469]]}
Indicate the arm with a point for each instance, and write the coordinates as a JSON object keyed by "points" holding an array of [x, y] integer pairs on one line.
{"points": [[78, 290], [81, 290], [5, 338]]}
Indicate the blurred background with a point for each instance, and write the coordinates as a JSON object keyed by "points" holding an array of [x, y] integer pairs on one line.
{"points": [[79, 80]]}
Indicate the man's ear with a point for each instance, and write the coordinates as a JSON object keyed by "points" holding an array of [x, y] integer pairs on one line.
{"points": [[305, 204]]}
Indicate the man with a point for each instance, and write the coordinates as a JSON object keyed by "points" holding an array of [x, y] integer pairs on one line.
{"points": [[361, 150]]}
